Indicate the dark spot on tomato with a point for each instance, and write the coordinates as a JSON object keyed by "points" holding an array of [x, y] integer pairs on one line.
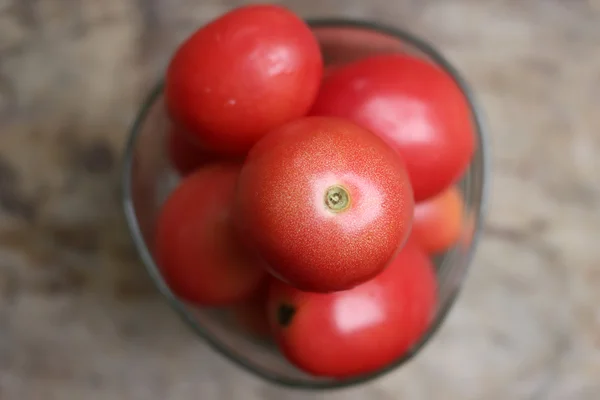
{"points": [[285, 314]]}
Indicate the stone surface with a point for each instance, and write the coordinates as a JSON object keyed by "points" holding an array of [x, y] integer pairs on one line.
{"points": [[79, 319]]}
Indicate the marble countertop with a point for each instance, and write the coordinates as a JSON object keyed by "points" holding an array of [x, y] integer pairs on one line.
{"points": [[79, 319]]}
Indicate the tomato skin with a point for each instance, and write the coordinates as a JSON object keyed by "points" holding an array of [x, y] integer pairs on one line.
{"points": [[196, 247], [329, 69], [361, 330], [243, 74], [438, 221], [185, 155], [282, 207], [415, 106]]}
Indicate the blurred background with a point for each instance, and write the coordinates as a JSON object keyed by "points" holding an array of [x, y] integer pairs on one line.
{"points": [[79, 318]]}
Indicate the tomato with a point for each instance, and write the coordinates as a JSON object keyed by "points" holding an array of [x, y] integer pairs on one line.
{"points": [[242, 75], [324, 202], [329, 69], [196, 247], [184, 154], [415, 106], [251, 314], [438, 221], [358, 331]]}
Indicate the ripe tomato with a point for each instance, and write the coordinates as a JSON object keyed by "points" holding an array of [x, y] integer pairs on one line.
{"points": [[251, 314], [325, 203], [196, 248], [329, 69], [438, 221], [412, 104], [243, 74], [357, 331], [184, 154]]}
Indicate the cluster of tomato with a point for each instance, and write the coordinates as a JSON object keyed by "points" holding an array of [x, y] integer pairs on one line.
{"points": [[311, 203]]}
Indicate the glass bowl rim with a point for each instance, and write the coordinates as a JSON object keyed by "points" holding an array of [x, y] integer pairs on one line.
{"points": [[152, 269]]}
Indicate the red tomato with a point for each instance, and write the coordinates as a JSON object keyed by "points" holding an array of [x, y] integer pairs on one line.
{"points": [[329, 69], [325, 203], [357, 331], [251, 314], [184, 154], [196, 248], [243, 74], [415, 106], [438, 221]]}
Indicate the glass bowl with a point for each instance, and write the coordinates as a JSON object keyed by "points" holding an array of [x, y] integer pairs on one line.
{"points": [[148, 178]]}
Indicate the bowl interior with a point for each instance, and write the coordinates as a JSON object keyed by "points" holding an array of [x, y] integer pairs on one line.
{"points": [[148, 178]]}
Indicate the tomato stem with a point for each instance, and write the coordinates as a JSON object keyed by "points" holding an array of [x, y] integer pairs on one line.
{"points": [[337, 198], [285, 314]]}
